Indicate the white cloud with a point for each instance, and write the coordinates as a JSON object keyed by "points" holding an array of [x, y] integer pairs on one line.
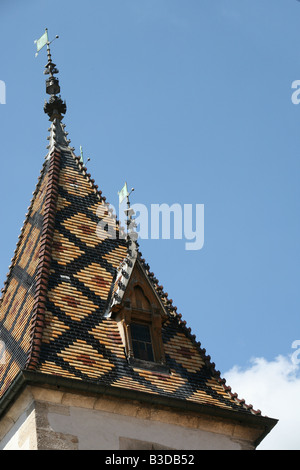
{"points": [[274, 388]]}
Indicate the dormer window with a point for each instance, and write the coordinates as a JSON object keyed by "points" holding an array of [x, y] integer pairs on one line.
{"points": [[140, 316]]}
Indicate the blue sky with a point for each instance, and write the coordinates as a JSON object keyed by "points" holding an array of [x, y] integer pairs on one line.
{"points": [[190, 103]]}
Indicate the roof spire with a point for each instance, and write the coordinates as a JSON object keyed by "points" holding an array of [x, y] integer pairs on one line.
{"points": [[55, 107]]}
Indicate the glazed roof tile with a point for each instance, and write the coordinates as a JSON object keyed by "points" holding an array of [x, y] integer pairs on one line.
{"points": [[63, 281]]}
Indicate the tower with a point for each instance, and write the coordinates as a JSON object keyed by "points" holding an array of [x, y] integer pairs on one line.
{"points": [[95, 355]]}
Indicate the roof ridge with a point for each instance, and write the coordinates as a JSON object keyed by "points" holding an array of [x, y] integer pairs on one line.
{"points": [[172, 310], [58, 140], [98, 192], [58, 136], [44, 262]]}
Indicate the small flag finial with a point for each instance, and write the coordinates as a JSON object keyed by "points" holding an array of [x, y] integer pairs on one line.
{"points": [[43, 41], [123, 193], [129, 212], [40, 43]]}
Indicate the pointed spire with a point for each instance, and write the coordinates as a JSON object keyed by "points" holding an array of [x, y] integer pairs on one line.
{"points": [[55, 107]]}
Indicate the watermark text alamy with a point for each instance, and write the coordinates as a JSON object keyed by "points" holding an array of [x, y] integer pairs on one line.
{"points": [[160, 221]]}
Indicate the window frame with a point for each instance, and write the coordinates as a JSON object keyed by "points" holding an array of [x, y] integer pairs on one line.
{"points": [[137, 341]]}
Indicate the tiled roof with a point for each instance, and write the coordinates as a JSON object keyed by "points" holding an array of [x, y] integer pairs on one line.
{"points": [[64, 279]]}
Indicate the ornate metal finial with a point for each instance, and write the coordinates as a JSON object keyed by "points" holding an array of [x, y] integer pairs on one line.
{"points": [[55, 107], [132, 235]]}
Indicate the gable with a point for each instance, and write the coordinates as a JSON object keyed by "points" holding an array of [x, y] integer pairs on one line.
{"points": [[135, 289]]}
